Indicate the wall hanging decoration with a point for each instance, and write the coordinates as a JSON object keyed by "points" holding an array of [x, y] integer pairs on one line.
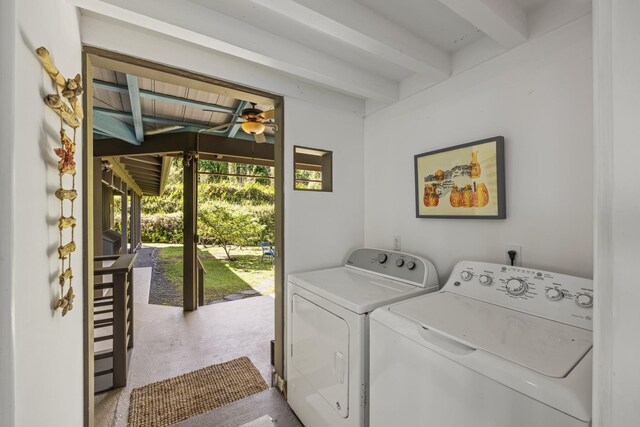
{"points": [[464, 181], [66, 103]]}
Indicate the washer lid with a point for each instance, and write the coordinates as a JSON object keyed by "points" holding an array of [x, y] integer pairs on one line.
{"points": [[354, 290], [545, 346]]}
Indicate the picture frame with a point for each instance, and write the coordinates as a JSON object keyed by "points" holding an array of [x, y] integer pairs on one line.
{"points": [[463, 181]]}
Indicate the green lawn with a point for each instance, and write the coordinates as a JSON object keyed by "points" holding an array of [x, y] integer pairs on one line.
{"points": [[247, 271]]}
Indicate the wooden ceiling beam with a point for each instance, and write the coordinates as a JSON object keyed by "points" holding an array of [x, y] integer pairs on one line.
{"points": [[181, 142], [502, 20], [137, 173], [139, 166], [362, 28], [154, 144], [152, 160], [119, 170], [133, 90], [157, 96]]}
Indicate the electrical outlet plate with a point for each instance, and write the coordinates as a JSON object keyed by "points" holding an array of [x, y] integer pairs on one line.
{"points": [[397, 244], [518, 260]]}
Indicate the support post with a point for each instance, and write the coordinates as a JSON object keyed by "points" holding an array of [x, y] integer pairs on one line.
{"points": [[190, 285], [123, 220], [119, 330], [132, 222]]}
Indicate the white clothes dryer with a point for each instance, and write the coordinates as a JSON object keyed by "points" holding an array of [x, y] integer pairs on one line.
{"points": [[498, 346], [327, 331]]}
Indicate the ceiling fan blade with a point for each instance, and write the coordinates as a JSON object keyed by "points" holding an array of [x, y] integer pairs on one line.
{"points": [[260, 138], [268, 114], [223, 126], [160, 130]]}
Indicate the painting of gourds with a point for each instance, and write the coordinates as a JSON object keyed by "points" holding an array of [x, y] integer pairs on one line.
{"points": [[464, 181]]}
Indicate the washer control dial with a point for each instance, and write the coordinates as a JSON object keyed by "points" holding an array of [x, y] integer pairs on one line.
{"points": [[382, 258], [466, 276], [584, 300], [554, 294], [411, 265], [485, 280], [399, 262], [516, 287]]}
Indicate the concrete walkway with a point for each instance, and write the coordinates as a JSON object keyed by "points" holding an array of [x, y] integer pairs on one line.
{"points": [[170, 342]]}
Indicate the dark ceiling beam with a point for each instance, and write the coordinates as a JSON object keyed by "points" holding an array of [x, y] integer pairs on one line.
{"points": [[154, 144], [142, 167], [181, 142], [148, 174], [98, 84], [154, 161], [138, 166]]}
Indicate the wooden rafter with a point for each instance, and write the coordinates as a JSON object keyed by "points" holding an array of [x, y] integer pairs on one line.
{"points": [[120, 170]]}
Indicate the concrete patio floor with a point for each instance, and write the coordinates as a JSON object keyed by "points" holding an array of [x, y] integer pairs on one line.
{"points": [[169, 342]]}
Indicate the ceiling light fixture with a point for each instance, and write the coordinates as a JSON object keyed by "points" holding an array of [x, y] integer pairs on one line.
{"points": [[252, 127]]}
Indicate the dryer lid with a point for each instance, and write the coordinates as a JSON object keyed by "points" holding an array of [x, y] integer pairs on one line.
{"points": [[358, 291], [542, 345]]}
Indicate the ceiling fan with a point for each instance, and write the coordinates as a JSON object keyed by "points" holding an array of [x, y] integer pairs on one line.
{"points": [[253, 121]]}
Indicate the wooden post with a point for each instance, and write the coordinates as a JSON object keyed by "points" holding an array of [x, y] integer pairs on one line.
{"points": [[190, 284], [129, 307], [134, 223], [119, 330], [201, 273], [123, 220]]}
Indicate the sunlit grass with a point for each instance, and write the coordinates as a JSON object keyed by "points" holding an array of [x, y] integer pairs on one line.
{"points": [[223, 277]]}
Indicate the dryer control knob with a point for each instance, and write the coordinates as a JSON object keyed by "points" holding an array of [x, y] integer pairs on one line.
{"points": [[554, 294], [485, 280], [466, 275], [399, 262], [584, 300], [411, 265], [516, 287], [382, 258]]}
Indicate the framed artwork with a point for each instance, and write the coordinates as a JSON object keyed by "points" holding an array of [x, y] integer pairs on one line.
{"points": [[464, 181]]}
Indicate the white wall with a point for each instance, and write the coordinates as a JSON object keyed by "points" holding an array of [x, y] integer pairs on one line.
{"points": [[7, 124], [539, 97], [48, 348], [319, 227], [617, 210]]}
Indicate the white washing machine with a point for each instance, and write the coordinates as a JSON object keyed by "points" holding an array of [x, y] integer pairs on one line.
{"points": [[498, 346], [327, 331]]}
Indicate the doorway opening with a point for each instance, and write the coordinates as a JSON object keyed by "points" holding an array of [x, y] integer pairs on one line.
{"points": [[177, 191]]}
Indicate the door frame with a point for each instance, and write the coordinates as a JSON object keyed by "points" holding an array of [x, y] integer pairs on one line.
{"points": [[116, 61]]}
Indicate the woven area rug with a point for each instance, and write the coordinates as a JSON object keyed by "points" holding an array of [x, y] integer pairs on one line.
{"points": [[173, 400]]}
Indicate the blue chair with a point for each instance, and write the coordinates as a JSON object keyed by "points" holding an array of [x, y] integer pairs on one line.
{"points": [[267, 250]]}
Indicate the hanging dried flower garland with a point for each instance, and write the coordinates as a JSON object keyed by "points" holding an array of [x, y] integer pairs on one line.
{"points": [[66, 104]]}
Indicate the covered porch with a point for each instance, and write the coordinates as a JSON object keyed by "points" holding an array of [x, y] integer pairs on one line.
{"points": [[171, 342]]}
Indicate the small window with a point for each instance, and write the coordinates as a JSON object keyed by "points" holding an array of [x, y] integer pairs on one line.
{"points": [[312, 169]]}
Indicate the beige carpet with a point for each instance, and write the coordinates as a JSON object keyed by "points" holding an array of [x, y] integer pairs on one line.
{"points": [[170, 401]]}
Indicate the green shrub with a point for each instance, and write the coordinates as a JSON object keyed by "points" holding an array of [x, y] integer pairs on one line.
{"points": [[162, 228], [244, 209], [228, 225]]}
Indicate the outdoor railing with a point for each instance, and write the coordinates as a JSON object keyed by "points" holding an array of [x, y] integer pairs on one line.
{"points": [[113, 304], [201, 272]]}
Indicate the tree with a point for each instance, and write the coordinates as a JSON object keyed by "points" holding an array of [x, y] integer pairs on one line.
{"points": [[228, 225]]}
